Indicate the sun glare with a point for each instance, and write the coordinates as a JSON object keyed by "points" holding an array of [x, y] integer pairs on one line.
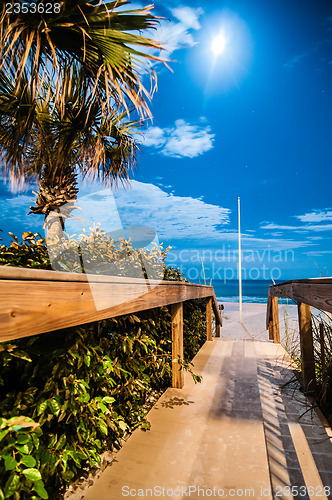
{"points": [[218, 44]]}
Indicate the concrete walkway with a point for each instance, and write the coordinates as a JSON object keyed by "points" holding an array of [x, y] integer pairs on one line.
{"points": [[240, 433]]}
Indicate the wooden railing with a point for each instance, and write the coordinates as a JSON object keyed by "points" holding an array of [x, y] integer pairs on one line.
{"points": [[316, 292], [37, 301]]}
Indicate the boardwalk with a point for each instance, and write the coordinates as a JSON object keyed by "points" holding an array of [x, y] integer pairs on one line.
{"points": [[240, 433]]}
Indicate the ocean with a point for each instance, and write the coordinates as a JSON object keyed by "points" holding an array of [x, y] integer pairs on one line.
{"points": [[252, 290]]}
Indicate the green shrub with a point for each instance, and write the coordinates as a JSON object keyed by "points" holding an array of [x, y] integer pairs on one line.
{"points": [[324, 380], [19, 469], [81, 388]]}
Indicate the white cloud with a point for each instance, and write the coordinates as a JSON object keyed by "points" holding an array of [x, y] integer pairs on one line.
{"points": [[318, 253], [175, 34], [172, 217], [295, 60], [185, 221], [316, 216], [181, 140], [298, 229], [14, 207], [154, 137], [188, 16]]}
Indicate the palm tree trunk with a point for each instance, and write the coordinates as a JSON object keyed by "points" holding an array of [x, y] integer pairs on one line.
{"points": [[56, 198]]}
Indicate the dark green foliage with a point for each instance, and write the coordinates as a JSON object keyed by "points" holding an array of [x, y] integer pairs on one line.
{"points": [[324, 380], [31, 252], [83, 387], [19, 469]]}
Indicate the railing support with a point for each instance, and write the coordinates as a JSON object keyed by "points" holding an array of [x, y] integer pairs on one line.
{"points": [[177, 345], [307, 348], [272, 319], [323, 363], [275, 321], [209, 319], [218, 325]]}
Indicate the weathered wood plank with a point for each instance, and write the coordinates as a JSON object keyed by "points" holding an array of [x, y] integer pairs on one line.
{"points": [[31, 307], [217, 330], [269, 317], [209, 319], [177, 345], [275, 332], [216, 310], [26, 274], [315, 294], [268, 310], [323, 395], [307, 348], [282, 290]]}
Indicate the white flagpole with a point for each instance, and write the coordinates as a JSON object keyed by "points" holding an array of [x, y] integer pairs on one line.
{"points": [[240, 267]]}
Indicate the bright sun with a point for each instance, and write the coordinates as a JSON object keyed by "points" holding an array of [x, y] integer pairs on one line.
{"points": [[218, 44]]}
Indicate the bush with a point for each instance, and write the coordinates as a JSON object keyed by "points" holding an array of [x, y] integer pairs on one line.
{"points": [[79, 390]]}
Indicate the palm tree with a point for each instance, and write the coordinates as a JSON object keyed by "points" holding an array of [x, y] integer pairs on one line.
{"points": [[102, 36], [67, 79], [53, 141]]}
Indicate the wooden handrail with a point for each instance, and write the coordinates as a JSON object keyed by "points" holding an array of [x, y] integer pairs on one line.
{"points": [[314, 292], [35, 301]]}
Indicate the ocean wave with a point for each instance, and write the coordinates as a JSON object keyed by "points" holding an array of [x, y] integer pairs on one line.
{"points": [[256, 300]]}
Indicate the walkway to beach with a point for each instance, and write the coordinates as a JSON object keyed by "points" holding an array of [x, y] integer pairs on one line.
{"points": [[245, 431]]}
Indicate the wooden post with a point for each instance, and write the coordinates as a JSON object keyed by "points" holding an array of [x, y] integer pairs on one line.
{"points": [[274, 331], [220, 307], [177, 345], [322, 357], [307, 348], [209, 319], [269, 317]]}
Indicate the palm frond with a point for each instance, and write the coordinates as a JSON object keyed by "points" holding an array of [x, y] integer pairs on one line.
{"points": [[105, 41]]}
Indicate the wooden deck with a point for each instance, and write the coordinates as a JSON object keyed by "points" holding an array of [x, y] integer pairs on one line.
{"points": [[240, 433]]}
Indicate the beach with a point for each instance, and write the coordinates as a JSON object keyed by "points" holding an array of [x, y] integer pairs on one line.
{"points": [[254, 322]]}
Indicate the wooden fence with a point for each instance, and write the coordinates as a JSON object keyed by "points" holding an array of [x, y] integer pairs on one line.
{"points": [[37, 301], [316, 292]]}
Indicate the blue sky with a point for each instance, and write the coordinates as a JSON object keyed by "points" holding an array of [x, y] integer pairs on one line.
{"points": [[254, 122]]}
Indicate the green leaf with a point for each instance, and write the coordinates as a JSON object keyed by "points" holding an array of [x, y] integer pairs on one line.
{"points": [[2, 496], [108, 399], [35, 440], [23, 448], [62, 441], [11, 484], [3, 433], [22, 439], [10, 462], [32, 474], [103, 427], [54, 407], [39, 488], [28, 460], [87, 360], [102, 407], [41, 407], [21, 355]]}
